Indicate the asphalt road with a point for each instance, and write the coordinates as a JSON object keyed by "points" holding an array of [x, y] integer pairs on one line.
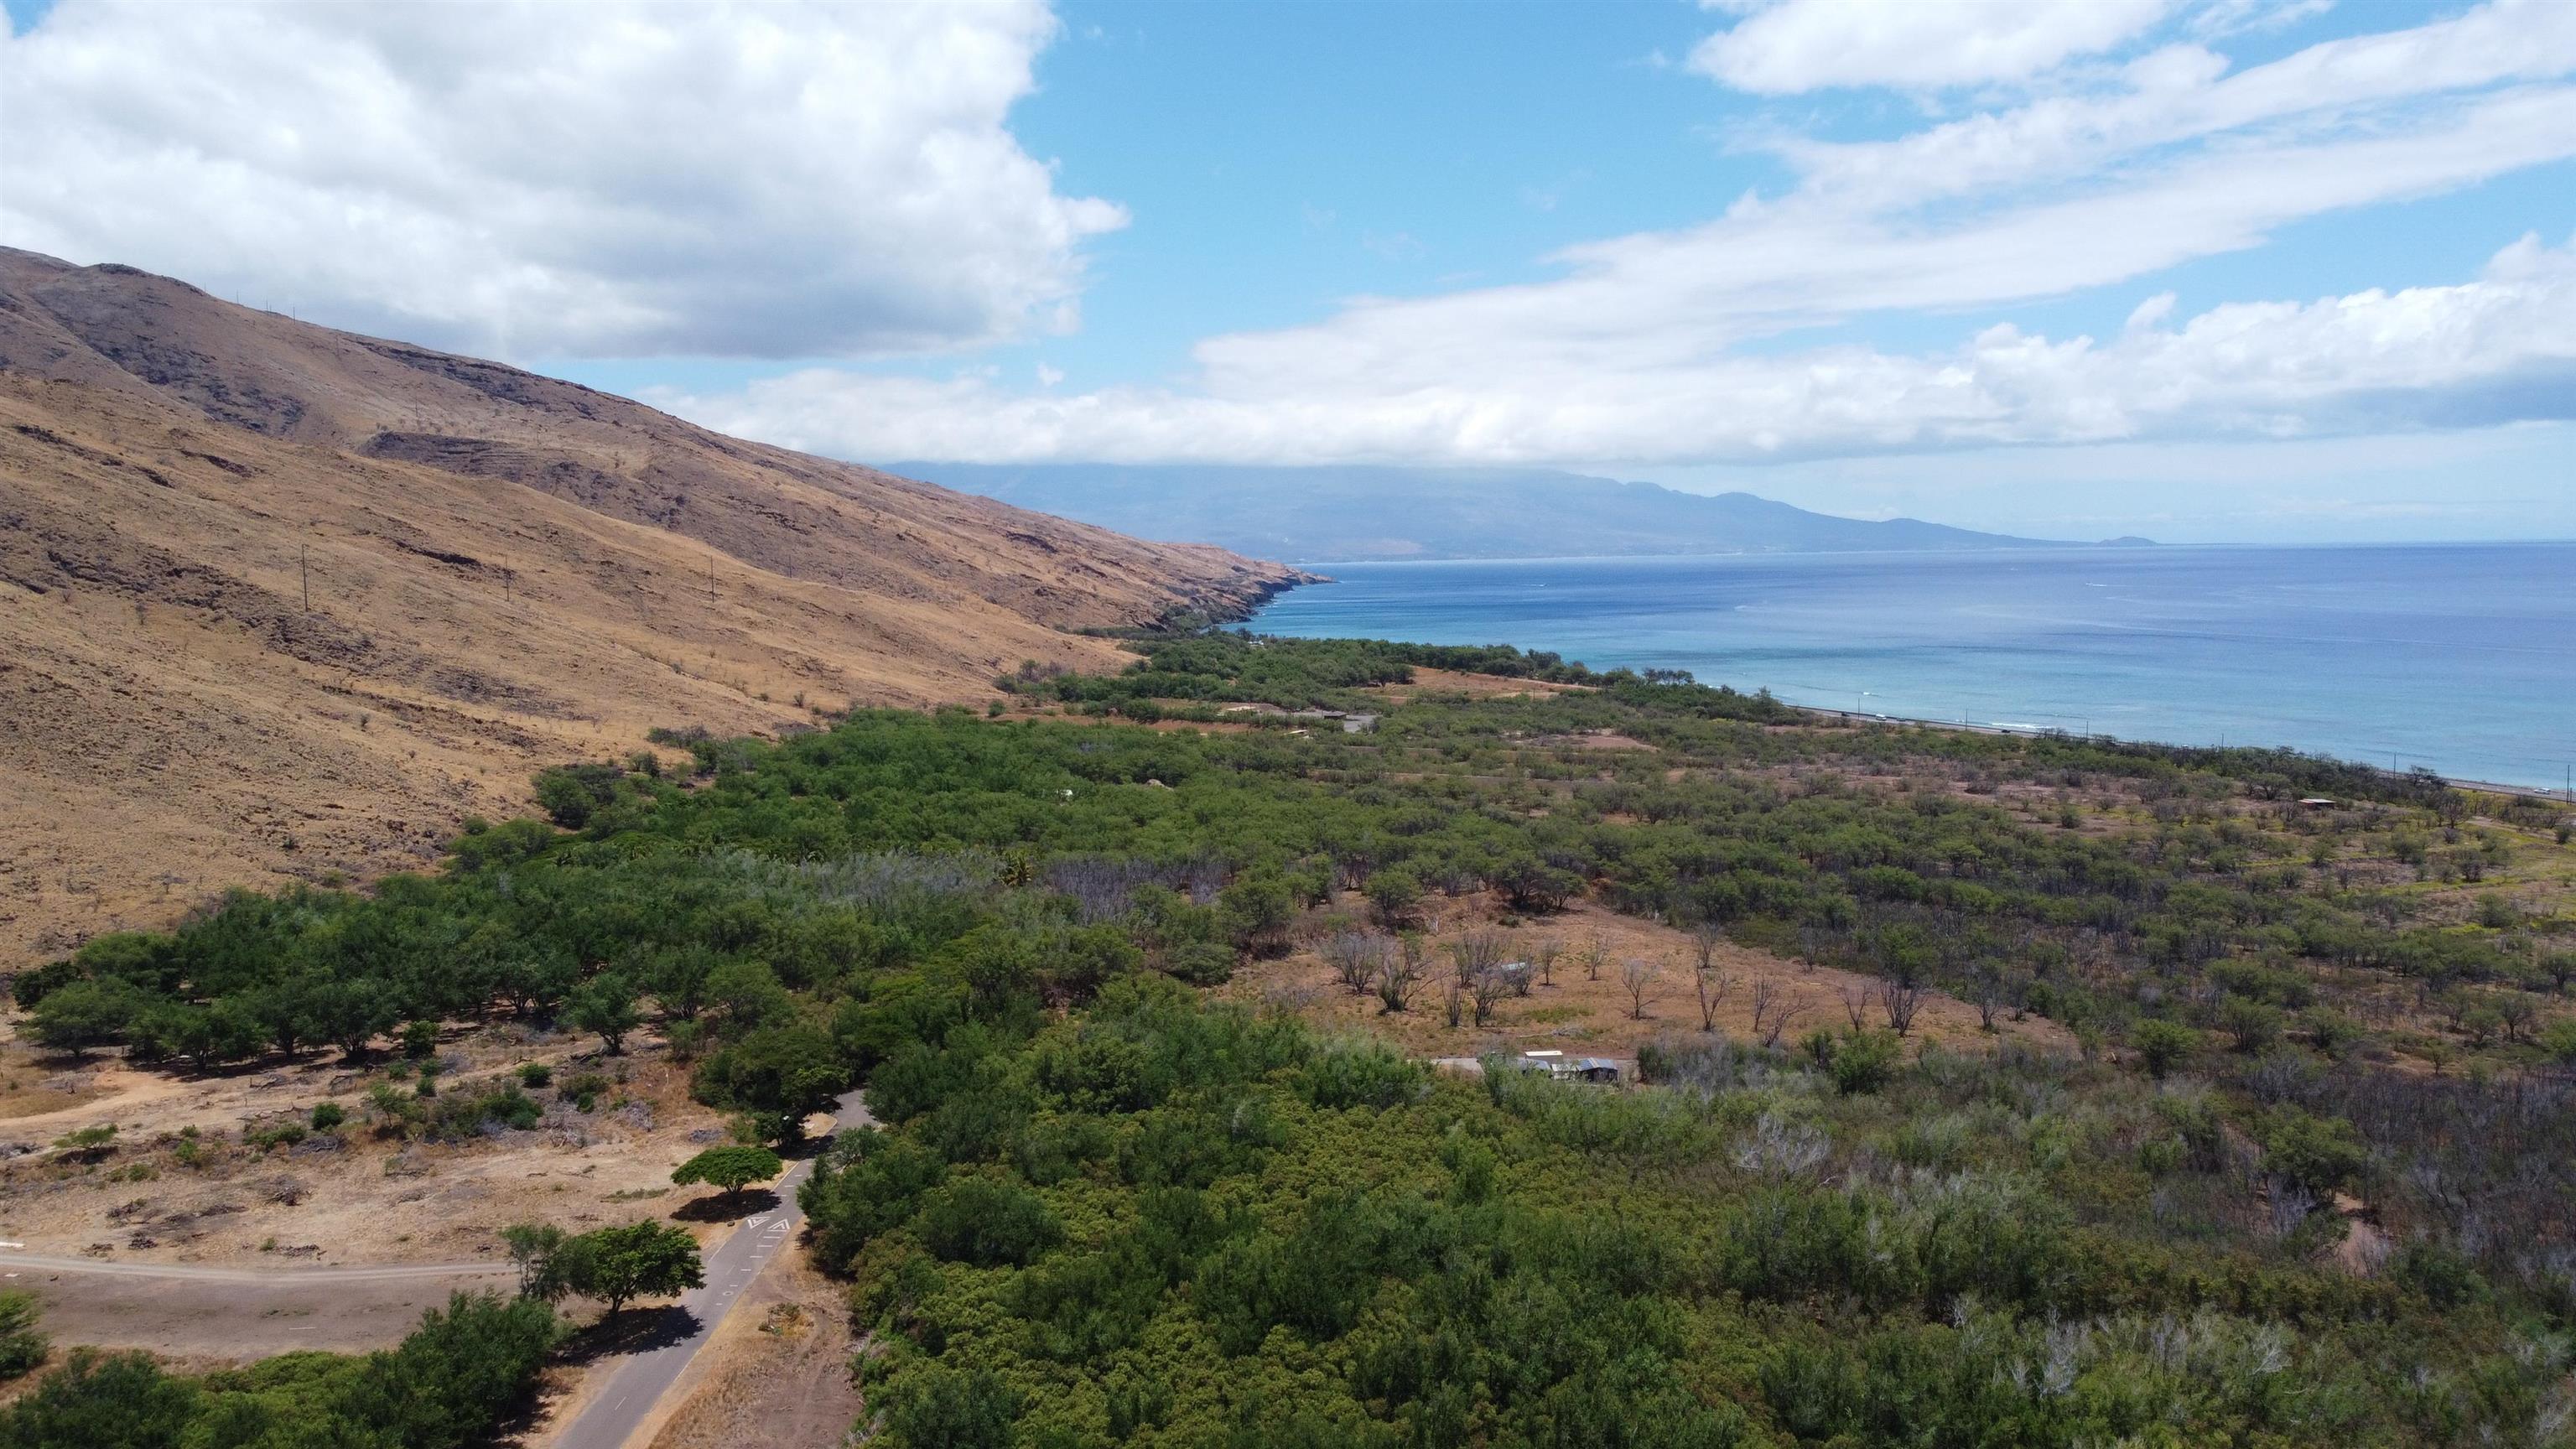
{"points": [[622, 1403]]}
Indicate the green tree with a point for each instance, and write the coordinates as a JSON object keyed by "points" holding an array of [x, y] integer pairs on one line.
{"points": [[535, 1250], [21, 1346], [1255, 911], [2253, 1025], [606, 1004], [285, 1012], [729, 1168], [952, 1410], [1393, 892], [1864, 1062], [2161, 1045], [748, 995], [784, 1073], [640, 1260], [85, 1014], [572, 796], [448, 1383], [207, 1036], [102, 1401], [977, 1220], [351, 1012]]}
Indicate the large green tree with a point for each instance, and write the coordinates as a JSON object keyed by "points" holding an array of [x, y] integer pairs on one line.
{"points": [[639, 1260], [729, 1168]]}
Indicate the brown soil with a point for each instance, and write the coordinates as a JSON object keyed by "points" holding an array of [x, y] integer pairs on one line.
{"points": [[504, 571], [777, 1371], [375, 1199], [1474, 686], [1591, 740], [34, 1088], [214, 1324], [1582, 1014]]}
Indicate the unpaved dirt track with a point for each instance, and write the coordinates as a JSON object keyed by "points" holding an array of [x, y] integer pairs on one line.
{"points": [[235, 1314], [627, 1399], [15, 1263]]}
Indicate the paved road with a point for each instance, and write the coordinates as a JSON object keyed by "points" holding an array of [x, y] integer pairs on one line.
{"points": [[612, 1416]]}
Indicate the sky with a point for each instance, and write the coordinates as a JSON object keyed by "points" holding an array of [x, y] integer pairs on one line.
{"points": [[2202, 270]]}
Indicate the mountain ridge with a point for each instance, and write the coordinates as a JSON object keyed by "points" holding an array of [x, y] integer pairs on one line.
{"points": [[281, 603], [1374, 513]]}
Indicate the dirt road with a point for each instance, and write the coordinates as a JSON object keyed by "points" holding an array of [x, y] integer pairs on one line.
{"points": [[235, 1313]]}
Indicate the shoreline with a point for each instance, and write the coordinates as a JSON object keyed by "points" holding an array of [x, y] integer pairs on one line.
{"points": [[2487, 787], [2426, 752]]}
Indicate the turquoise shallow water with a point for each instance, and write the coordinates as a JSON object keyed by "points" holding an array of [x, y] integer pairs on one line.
{"points": [[2461, 657]]}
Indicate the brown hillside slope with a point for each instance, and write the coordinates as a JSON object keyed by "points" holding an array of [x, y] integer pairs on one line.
{"points": [[505, 571]]}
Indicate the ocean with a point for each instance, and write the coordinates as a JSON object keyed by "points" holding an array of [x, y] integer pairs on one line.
{"points": [[2458, 657]]}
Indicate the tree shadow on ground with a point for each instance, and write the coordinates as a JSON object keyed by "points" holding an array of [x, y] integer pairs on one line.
{"points": [[724, 1208], [637, 1330]]}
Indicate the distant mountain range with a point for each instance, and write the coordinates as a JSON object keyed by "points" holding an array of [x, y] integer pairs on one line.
{"points": [[1331, 514]]}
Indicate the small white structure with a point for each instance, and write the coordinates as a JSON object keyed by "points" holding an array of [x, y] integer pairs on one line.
{"points": [[1559, 1067]]}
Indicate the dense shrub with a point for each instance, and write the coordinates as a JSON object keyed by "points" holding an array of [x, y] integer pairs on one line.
{"points": [[977, 1220], [445, 1387]]}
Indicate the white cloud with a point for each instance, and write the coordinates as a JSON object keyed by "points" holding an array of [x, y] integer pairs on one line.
{"points": [[1638, 350], [2181, 94], [1639, 305], [1806, 45], [2497, 347], [562, 179]]}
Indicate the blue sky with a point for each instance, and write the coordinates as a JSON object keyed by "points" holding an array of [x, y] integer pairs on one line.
{"points": [[2200, 269]]}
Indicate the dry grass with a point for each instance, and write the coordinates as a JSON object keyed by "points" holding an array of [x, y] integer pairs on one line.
{"points": [[377, 1200], [776, 1372], [529, 585], [1586, 1013]]}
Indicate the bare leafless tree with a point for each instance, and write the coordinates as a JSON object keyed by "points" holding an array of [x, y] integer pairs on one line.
{"points": [[1705, 938], [1596, 954], [1415, 948], [1399, 974], [1900, 1001], [1355, 957], [1713, 983], [1543, 957], [1488, 988], [1473, 954], [1990, 998], [1453, 1003], [1856, 1005], [1774, 1010], [1639, 976]]}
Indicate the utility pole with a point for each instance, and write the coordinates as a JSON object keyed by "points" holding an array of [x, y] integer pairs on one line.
{"points": [[304, 564], [711, 576]]}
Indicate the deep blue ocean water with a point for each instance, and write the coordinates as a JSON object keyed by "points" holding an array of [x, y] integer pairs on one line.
{"points": [[2461, 657]]}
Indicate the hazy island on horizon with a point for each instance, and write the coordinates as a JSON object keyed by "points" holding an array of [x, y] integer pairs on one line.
{"points": [[1348, 514]]}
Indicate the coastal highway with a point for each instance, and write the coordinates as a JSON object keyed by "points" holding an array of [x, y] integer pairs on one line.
{"points": [[623, 1403]]}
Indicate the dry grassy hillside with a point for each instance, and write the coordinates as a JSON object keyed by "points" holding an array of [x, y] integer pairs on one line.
{"points": [[504, 571]]}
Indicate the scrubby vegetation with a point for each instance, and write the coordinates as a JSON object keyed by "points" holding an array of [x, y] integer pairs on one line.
{"points": [[459, 1374], [1186, 1225], [2304, 1180]]}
